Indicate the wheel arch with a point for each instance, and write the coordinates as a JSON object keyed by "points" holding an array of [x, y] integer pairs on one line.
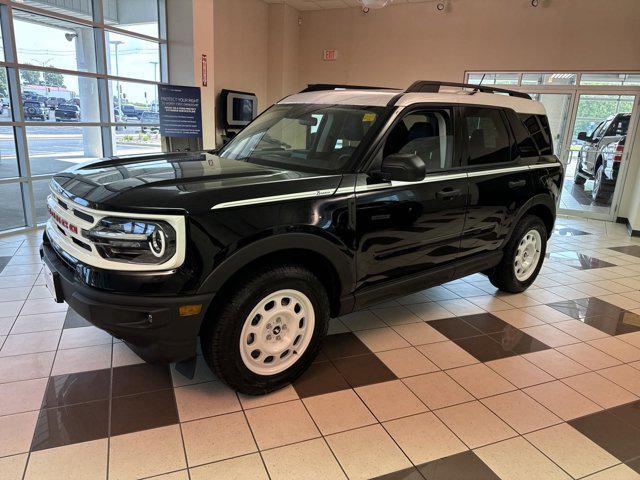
{"points": [[541, 206], [332, 264]]}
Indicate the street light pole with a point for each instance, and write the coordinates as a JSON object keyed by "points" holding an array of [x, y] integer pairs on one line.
{"points": [[116, 43], [155, 79]]}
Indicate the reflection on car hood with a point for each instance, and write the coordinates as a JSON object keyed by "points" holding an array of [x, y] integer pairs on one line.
{"points": [[179, 181]]}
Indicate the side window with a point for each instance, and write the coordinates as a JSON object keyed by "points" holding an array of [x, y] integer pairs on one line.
{"points": [[539, 133], [426, 133], [487, 136], [619, 126]]}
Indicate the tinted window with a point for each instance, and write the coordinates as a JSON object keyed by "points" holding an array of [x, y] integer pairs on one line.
{"points": [[539, 132], [487, 136], [619, 126], [426, 133]]}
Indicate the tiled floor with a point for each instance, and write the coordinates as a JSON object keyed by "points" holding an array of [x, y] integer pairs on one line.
{"points": [[455, 382]]}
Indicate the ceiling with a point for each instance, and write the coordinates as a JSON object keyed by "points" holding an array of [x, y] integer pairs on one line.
{"points": [[328, 4]]}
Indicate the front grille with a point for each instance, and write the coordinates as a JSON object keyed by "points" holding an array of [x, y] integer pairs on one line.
{"points": [[84, 216], [81, 244]]}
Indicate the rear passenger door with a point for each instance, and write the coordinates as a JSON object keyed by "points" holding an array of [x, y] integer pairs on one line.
{"points": [[499, 178]]}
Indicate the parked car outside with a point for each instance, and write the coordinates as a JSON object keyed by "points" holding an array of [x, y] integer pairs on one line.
{"points": [[35, 110], [130, 111], [600, 155], [67, 112], [333, 200], [150, 121]]}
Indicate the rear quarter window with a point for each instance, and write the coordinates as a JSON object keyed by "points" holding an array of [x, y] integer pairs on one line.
{"points": [[539, 132]]}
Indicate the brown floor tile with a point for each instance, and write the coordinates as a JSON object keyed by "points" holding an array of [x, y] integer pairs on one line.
{"points": [[406, 362], [475, 424], [343, 345], [61, 426], [361, 320], [143, 411], [454, 328], [16, 432], [462, 466], [480, 380], [77, 461], [74, 320], [77, 388], [424, 438], [281, 424], [140, 378], [179, 475], [437, 390], [123, 355], [590, 357], [310, 460], [617, 349], [217, 438], [399, 315], [550, 335], [205, 400], [600, 390], [580, 330], [13, 467], [367, 452], [629, 413], [363, 370], [381, 339], [484, 348], [83, 337], [419, 333], [619, 472], [25, 367], [202, 374], [518, 318], [519, 371], [319, 378], [389, 400], [486, 322], [247, 467], [521, 412], [447, 355], [625, 376], [517, 458], [23, 396], [571, 450], [338, 411], [562, 400], [146, 453], [518, 342]]}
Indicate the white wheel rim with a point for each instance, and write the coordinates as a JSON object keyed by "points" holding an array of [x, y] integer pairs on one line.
{"points": [[527, 255], [277, 332]]}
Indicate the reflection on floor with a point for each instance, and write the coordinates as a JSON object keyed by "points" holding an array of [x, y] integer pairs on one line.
{"points": [[454, 382], [578, 197]]}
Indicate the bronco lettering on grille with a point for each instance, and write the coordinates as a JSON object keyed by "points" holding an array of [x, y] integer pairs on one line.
{"points": [[61, 221]]}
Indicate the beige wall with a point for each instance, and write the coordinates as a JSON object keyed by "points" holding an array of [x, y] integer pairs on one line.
{"points": [[399, 44]]}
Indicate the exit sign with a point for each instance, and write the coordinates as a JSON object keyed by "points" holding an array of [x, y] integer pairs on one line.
{"points": [[330, 55]]}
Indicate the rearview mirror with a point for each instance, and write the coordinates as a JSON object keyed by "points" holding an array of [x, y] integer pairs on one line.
{"points": [[582, 136], [308, 121], [405, 167]]}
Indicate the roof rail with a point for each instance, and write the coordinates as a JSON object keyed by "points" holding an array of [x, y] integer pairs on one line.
{"points": [[318, 87], [431, 86]]}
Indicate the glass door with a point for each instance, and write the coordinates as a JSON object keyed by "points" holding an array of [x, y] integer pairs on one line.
{"points": [[558, 107], [594, 153]]}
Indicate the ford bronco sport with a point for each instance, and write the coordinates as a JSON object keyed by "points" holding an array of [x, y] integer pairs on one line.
{"points": [[332, 200]]}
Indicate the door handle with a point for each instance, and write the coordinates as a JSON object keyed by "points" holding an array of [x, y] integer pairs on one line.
{"points": [[448, 193], [517, 184]]}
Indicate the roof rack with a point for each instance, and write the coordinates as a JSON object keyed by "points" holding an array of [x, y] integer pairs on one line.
{"points": [[318, 87], [431, 86]]}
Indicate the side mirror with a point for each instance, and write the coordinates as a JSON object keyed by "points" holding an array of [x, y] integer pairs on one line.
{"points": [[405, 167], [582, 136]]}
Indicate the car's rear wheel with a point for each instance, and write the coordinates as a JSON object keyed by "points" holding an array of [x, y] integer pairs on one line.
{"points": [[268, 330], [523, 256]]}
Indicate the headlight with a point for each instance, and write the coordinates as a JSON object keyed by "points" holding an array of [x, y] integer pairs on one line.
{"points": [[133, 241]]}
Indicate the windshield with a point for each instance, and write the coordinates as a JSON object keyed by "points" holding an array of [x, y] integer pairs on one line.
{"points": [[307, 138]]}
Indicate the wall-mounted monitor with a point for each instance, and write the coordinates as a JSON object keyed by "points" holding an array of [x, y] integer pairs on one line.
{"points": [[238, 108]]}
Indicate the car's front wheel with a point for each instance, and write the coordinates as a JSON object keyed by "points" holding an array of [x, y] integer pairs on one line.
{"points": [[599, 192], [578, 179], [523, 256], [269, 329]]}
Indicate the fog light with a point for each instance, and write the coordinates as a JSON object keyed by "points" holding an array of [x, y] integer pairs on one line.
{"points": [[188, 310]]}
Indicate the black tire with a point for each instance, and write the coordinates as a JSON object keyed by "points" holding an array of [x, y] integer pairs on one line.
{"points": [[577, 178], [600, 192], [220, 335], [503, 276]]}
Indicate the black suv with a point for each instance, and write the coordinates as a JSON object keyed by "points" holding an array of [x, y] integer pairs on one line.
{"points": [[332, 200]]}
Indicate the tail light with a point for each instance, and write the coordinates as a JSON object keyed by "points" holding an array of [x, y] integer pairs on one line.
{"points": [[618, 150]]}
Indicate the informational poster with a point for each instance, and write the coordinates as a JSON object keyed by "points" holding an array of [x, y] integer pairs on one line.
{"points": [[180, 111]]}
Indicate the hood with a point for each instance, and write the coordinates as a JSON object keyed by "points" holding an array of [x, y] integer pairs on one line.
{"points": [[191, 182]]}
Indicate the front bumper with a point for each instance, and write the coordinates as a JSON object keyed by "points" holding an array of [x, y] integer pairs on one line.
{"points": [[151, 326]]}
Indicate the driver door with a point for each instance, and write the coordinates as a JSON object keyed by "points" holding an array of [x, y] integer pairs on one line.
{"points": [[409, 228]]}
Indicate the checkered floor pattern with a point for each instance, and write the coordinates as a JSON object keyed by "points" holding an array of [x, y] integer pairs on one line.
{"points": [[455, 382]]}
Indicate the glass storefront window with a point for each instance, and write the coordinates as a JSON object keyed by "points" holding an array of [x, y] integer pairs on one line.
{"points": [[136, 140], [65, 98], [8, 158], [133, 102], [5, 104], [11, 208], [40, 193], [80, 9], [50, 42], [549, 78], [53, 149], [493, 78], [616, 79], [132, 57], [139, 16]]}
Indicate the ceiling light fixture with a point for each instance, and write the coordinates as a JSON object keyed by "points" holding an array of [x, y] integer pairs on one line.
{"points": [[535, 3], [440, 6], [374, 4]]}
